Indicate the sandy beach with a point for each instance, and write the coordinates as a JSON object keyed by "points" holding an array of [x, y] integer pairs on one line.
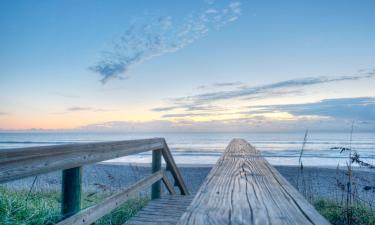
{"points": [[318, 182]]}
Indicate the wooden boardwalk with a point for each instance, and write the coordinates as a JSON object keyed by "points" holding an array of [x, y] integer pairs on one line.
{"points": [[166, 210], [242, 188]]}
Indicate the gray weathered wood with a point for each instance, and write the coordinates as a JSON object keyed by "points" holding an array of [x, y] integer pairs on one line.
{"points": [[168, 185], [71, 191], [243, 188], [172, 167], [24, 162], [91, 214], [156, 166], [164, 211]]}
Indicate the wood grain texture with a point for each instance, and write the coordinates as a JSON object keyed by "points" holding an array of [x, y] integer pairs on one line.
{"points": [[172, 167], [243, 188], [168, 185], [91, 214], [24, 162], [164, 211]]}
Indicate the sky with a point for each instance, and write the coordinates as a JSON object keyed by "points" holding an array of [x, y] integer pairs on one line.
{"points": [[194, 66]]}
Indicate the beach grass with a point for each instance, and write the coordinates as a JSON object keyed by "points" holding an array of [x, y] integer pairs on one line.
{"points": [[351, 209], [43, 207], [336, 214]]}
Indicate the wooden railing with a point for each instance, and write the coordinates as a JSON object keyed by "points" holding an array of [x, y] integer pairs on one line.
{"points": [[24, 162]]}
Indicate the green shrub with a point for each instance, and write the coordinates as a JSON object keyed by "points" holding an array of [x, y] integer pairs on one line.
{"points": [[43, 207], [18, 207], [123, 213], [338, 215]]}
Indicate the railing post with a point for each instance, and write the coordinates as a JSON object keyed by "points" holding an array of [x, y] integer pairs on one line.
{"points": [[71, 191], [156, 166]]}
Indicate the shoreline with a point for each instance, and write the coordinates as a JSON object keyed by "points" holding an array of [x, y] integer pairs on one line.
{"points": [[209, 165]]}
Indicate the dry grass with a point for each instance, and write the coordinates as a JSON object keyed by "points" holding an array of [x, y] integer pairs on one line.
{"points": [[347, 208]]}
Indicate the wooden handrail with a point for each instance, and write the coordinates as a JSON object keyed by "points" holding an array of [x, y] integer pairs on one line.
{"points": [[23, 162]]}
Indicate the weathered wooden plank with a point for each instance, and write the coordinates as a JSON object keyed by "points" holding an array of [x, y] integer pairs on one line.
{"points": [[168, 185], [161, 211], [91, 214], [243, 188], [172, 167], [24, 162]]}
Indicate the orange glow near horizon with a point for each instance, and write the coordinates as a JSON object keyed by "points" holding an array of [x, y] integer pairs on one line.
{"points": [[67, 121]]}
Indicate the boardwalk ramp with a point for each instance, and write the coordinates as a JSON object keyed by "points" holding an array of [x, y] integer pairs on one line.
{"points": [[242, 188]]}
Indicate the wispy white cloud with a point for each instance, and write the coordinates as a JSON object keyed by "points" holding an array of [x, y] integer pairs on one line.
{"points": [[184, 115], [75, 109], [196, 114], [221, 85], [78, 108], [131, 126], [161, 35], [254, 124], [244, 92], [65, 95], [256, 90], [84, 109], [360, 109]]}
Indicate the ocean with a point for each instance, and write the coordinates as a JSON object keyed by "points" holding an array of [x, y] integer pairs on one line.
{"points": [[206, 148]]}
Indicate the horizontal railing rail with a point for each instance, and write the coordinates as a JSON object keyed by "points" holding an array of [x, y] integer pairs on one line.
{"points": [[24, 162], [93, 213]]}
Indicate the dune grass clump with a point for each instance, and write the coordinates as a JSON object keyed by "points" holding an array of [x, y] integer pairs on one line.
{"points": [[335, 213], [43, 207], [20, 207], [123, 213], [350, 209]]}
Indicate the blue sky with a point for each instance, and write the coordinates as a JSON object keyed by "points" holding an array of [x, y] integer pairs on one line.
{"points": [[50, 52]]}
